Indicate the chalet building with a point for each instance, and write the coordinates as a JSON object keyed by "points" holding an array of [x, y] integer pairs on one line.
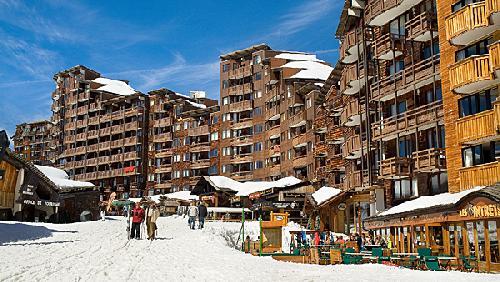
{"points": [[32, 141], [267, 113], [470, 74], [180, 139], [100, 126]]}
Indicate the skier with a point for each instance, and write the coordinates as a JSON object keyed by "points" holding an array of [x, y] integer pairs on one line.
{"points": [[192, 213], [202, 213], [137, 219], [152, 214]]}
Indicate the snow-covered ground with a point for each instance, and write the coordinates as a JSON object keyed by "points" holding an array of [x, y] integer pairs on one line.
{"points": [[99, 251]]}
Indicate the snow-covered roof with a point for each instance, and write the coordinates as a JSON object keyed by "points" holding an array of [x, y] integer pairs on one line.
{"points": [[198, 105], [226, 210], [247, 188], [310, 69], [114, 86], [425, 202], [324, 194], [180, 195], [298, 57], [61, 178]]}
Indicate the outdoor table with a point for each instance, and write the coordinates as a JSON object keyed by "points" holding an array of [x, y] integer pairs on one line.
{"points": [[356, 254], [405, 254]]}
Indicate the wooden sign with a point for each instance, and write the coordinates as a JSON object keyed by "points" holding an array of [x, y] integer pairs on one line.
{"points": [[492, 210]]}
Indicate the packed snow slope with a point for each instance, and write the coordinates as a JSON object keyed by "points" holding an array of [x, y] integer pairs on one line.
{"points": [[100, 251]]}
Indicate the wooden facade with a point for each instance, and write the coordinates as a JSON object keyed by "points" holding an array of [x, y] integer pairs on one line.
{"points": [[469, 227]]}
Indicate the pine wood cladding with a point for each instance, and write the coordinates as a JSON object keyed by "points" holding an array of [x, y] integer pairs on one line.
{"points": [[7, 185], [470, 17], [478, 126], [480, 175], [470, 70]]}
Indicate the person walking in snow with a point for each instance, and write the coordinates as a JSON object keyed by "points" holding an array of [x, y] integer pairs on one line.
{"points": [[152, 214], [202, 213], [137, 219], [192, 213]]}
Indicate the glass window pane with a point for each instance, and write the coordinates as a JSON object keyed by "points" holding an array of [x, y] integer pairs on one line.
{"points": [[481, 240], [493, 237], [471, 237]]}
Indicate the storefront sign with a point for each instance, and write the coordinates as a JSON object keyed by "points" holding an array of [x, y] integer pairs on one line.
{"points": [[492, 210], [41, 203]]}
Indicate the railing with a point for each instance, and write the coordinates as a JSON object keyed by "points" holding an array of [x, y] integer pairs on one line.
{"points": [[130, 141], [69, 139], [104, 145], [350, 109], [82, 110], [93, 133], [395, 167], [93, 147], [81, 136], [103, 159], [81, 123], [301, 161], [134, 125], [130, 156], [163, 137], [117, 129], [93, 120], [299, 139], [239, 106], [94, 107], [105, 131], [409, 119], [269, 113], [469, 17], [117, 158], [481, 175], [200, 130], [247, 88], [352, 145], [200, 164], [494, 50], [80, 150], [470, 70], [377, 7], [92, 162], [117, 143], [350, 39], [429, 160], [297, 118], [162, 122], [477, 126], [420, 24], [388, 42], [350, 73]]}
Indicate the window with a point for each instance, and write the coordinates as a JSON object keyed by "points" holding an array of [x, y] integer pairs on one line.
{"points": [[480, 154], [288, 91], [176, 158], [214, 136], [259, 164], [405, 147], [186, 157], [226, 134], [257, 147], [225, 84], [427, 52], [225, 67], [462, 3], [309, 102], [477, 103], [404, 189], [187, 141], [258, 76], [257, 60], [225, 101], [258, 128], [213, 170], [257, 111], [185, 173], [257, 94], [214, 153], [439, 183], [477, 49]]}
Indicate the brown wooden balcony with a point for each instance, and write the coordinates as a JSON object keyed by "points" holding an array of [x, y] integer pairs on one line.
{"points": [[81, 123], [92, 162], [71, 126], [200, 147], [200, 130], [129, 141], [272, 114], [117, 158], [69, 139], [92, 134], [320, 149], [300, 140], [335, 135], [80, 150], [421, 71], [351, 115], [92, 176], [83, 96], [429, 160], [105, 118], [480, 175], [163, 122], [117, 143], [164, 168], [494, 51], [472, 22], [81, 136], [200, 164], [80, 163], [104, 159], [82, 110], [395, 168], [105, 131], [422, 27], [164, 153], [104, 174], [301, 161], [130, 156], [164, 185], [408, 120], [117, 129], [134, 125], [472, 74], [94, 107], [274, 170], [103, 146], [163, 137], [235, 107], [117, 172], [298, 119], [247, 88], [355, 180], [243, 158], [352, 45], [352, 147], [352, 79], [133, 111], [479, 126], [389, 46], [93, 148], [93, 120]]}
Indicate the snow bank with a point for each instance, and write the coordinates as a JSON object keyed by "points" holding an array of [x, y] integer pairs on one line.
{"points": [[114, 86], [429, 202], [310, 70], [247, 188], [324, 194], [61, 178], [298, 57]]}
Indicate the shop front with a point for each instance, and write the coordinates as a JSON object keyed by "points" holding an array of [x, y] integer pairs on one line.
{"points": [[465, 224]]}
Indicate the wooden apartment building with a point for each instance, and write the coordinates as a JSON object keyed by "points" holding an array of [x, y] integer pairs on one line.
{"points": [[32, 141], [267, 111]]}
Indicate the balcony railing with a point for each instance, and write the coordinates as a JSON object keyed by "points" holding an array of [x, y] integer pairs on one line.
{"points": [[200, 130], [429, 160], [163, 137], [408, 120], [299, 139], [470, 22], [395, 168], [389, 45], [105, 131], [478, 126], [481, 175], [239, 106], [273, 112], [420, 27], [352, 108], [471, 74], [350, 42], [93, 120], [301, 161], [352, 147], [162, 122], [494, 51], [117, 143]]}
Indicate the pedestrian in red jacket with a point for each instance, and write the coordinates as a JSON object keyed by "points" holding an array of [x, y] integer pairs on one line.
{"points": [[137, 219]]}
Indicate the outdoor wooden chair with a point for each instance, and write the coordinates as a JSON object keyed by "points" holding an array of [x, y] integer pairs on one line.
{"points": [[432, 263]]}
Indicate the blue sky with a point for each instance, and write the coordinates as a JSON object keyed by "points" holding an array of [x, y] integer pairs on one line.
{"points": [[153, 44]]}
